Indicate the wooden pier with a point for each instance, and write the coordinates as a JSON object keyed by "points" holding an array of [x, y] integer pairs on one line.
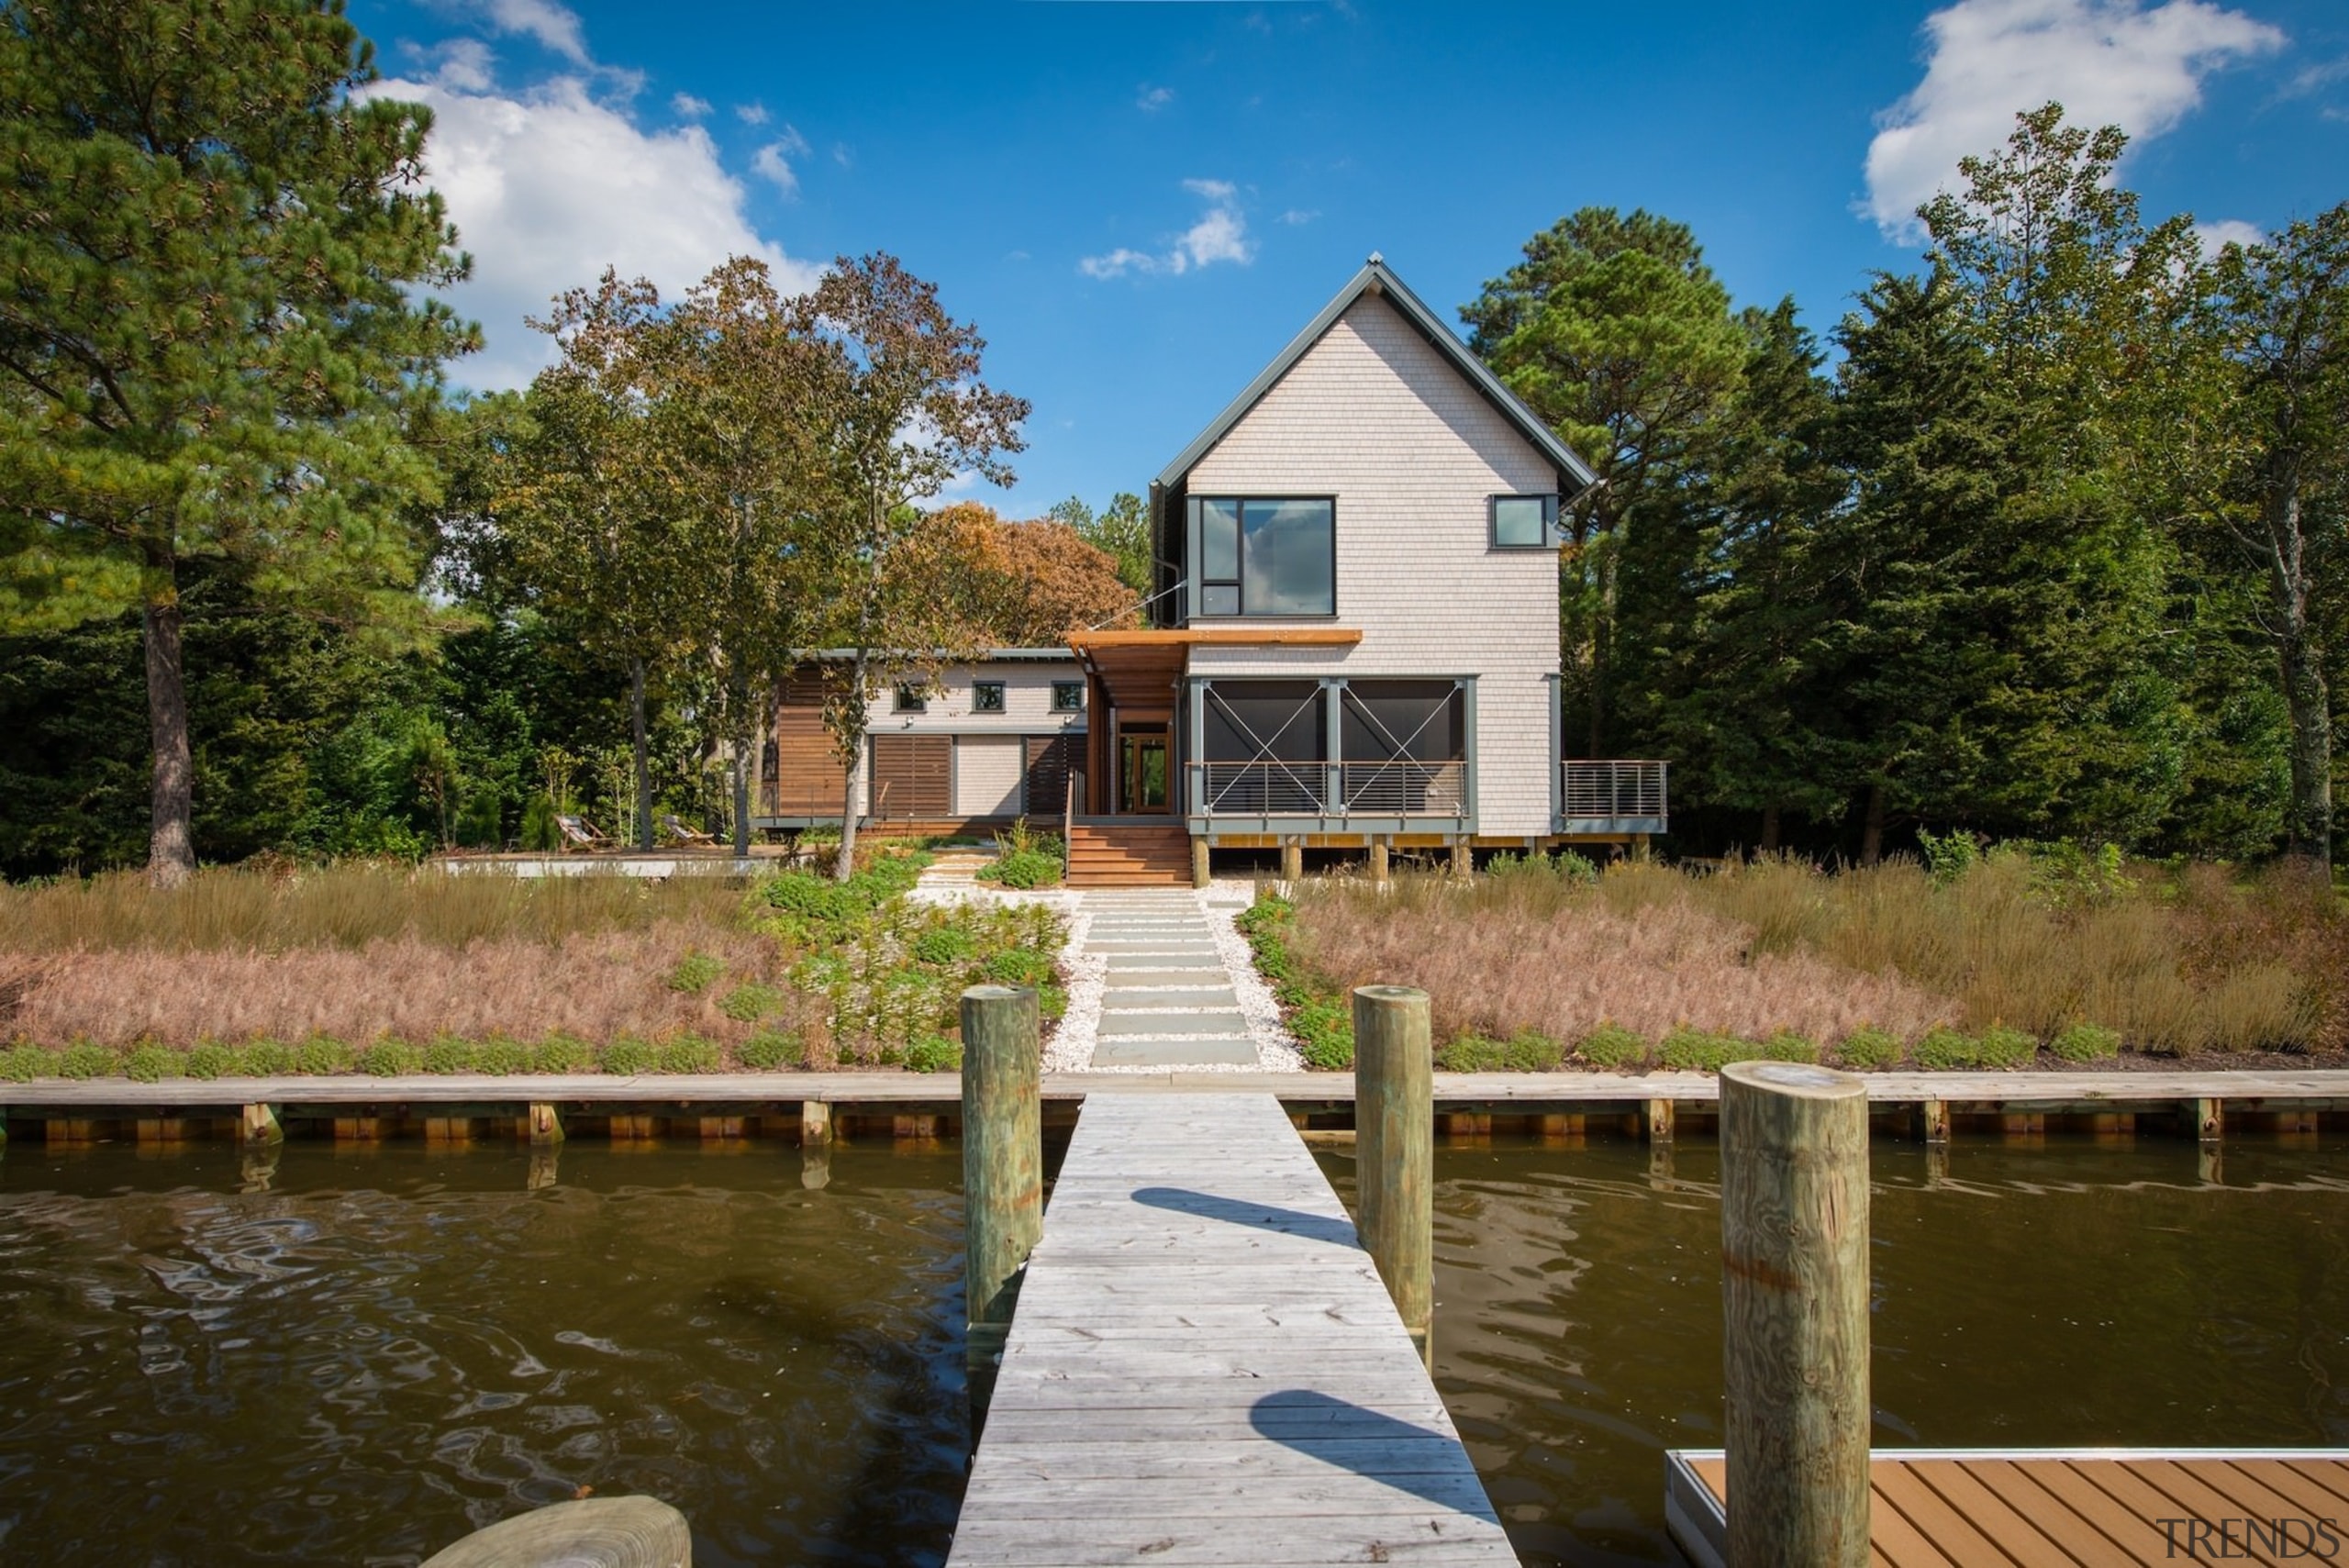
{"points": [[2125, 1507], [1204, 1367]]}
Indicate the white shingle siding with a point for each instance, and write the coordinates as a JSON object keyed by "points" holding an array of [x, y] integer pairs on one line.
{"points": [[1373, 415], [988, 770]]}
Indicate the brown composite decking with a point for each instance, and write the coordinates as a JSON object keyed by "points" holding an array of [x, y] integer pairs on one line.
{"points": [[2052, 1508]]}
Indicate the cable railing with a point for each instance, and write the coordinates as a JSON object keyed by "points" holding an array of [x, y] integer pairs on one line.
{"points": [[1614, 790], [1402, 787], [1397, 787]]}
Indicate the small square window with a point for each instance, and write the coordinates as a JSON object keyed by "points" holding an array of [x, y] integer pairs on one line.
{"points": [[912, 698], [1068, 697], [1524, 522], [987, 696]]}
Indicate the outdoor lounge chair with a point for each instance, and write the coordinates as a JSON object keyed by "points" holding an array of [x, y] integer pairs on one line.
{"points": [[675, 829], [578, 833]]}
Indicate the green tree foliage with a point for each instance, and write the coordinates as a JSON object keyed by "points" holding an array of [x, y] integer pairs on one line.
{"points": [[1121, 529], [206, 338]]}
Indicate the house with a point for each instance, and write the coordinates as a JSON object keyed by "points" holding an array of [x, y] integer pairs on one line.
{"points": [[1353, 636], [972, 748], [1353, 643]]}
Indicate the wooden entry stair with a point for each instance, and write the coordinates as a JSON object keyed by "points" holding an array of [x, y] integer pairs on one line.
{"points": [[1129, 854]]}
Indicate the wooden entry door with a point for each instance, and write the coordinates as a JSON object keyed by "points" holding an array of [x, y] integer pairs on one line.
{"points": [[1141, 773]]}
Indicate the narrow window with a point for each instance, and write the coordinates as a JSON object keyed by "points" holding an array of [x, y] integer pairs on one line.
{"points": [[1068, 697], [912, 698], [987, 696], [1524, 522]]}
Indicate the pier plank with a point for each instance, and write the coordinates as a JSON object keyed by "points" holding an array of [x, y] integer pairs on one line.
{"points": [[1205, 1368]]}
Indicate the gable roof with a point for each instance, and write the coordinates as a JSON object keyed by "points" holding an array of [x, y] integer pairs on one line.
{"points": [[1574, 475]]}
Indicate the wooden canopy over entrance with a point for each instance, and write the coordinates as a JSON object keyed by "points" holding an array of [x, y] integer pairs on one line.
{"points": [[1133, 680]]}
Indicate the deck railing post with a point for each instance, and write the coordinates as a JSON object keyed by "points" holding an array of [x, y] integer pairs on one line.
{"points": [[1794, 1144], [1003, 1156], [1395, 1146]]}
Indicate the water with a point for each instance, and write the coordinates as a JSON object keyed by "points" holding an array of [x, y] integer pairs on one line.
{"points": [[391, 1348], [2073, 1294]]}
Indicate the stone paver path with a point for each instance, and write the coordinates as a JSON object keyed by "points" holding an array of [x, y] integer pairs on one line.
{"points": [[1167, 1001]]}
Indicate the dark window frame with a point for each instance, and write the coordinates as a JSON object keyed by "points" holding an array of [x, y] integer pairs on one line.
{"points": [[1076, 690], [979, 694], [1549, 540], [911, 696], [1239, 583]]}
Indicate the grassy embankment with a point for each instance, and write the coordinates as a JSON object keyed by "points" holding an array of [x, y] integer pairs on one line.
{"points": [[385, 970], [2009, 961]]}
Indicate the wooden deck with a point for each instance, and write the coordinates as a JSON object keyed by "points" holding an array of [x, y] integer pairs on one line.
{"points": [[1205, 1368], [2123, 1508]]}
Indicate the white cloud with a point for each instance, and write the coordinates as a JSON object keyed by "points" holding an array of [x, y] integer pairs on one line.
{"points": [[2217, 235], [1295, 216], [467, 64], [1153, 99], [555, 26], [686, 106], [772, 161], [2108, 62], [1219, 235], [549, 186], [750, 114]]}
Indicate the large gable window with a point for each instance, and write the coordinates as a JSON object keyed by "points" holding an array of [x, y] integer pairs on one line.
{"points": [[1270, 557]]}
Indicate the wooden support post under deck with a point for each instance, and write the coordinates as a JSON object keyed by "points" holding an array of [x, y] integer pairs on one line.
{"points": [[1935, 1115], [544, 1123], [1003, 1157], [1200, 873], [1464, 859], [1377, 861], [1292, 860], [258, 1125], [815, 1122], [1795, 1311], [2210, 1119], [1659, 1121], [1394, 1146]]}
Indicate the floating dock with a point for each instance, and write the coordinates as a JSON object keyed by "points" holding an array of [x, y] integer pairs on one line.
{"points": [[2050, 1507], [1204, 1367]]}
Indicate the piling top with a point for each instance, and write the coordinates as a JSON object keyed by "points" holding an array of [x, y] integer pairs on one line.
{"points": [[1391, 993], [598, 1533], [993, 993], [1796, 1078]]}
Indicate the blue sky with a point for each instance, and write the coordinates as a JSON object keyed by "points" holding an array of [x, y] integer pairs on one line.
{"points": [[1140, 203]]}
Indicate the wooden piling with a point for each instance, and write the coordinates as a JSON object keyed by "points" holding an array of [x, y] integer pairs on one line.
{"points": [[1794, 1146], [815, 1122], [1003, 1155], [1659, 1121], [1378, 873], [1934, 1116], [608, 1532], [1292, 860], [545, 1123], [1199, 872], [2209, 1118], [1464, 859], [1395, 1146], [258, 1125]]}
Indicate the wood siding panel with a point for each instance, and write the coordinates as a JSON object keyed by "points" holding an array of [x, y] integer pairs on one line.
{"points": [[1374, 416], [808, 780], [912, 776], [1050, 760], [987, 769]]}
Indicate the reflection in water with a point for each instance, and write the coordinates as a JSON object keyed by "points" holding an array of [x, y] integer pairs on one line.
{"points": [[362, 1356], [2069, 1294]]}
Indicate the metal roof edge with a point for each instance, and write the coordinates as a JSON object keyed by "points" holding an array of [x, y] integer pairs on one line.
{"points": [[1376, 276]]}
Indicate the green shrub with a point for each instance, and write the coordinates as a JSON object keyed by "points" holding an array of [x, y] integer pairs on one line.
{"points": [[563, 1053], [749, 1002], [1527, 1051], [152, 1064], [628, 1057], [944, 944], [695, 971], [391, 1059], [1018, 966], [691, 1053], [501, 1057], [2005, 1049], [934, 1053], [1051, 1002], [1612, 1045], [208, 1058], [2087, 1043], [1694, 1050], [1324, 1028], [1788, 1046], [265, 1059], [87, 1061], [322, 1056], [770, 1050], [449, 1054], [23, 1063], [1948, 1051], [541, 831], [1869, 1048], [1023, 868]]}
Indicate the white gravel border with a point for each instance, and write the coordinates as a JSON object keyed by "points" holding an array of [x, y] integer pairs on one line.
{"points": [[1222, 901]]}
